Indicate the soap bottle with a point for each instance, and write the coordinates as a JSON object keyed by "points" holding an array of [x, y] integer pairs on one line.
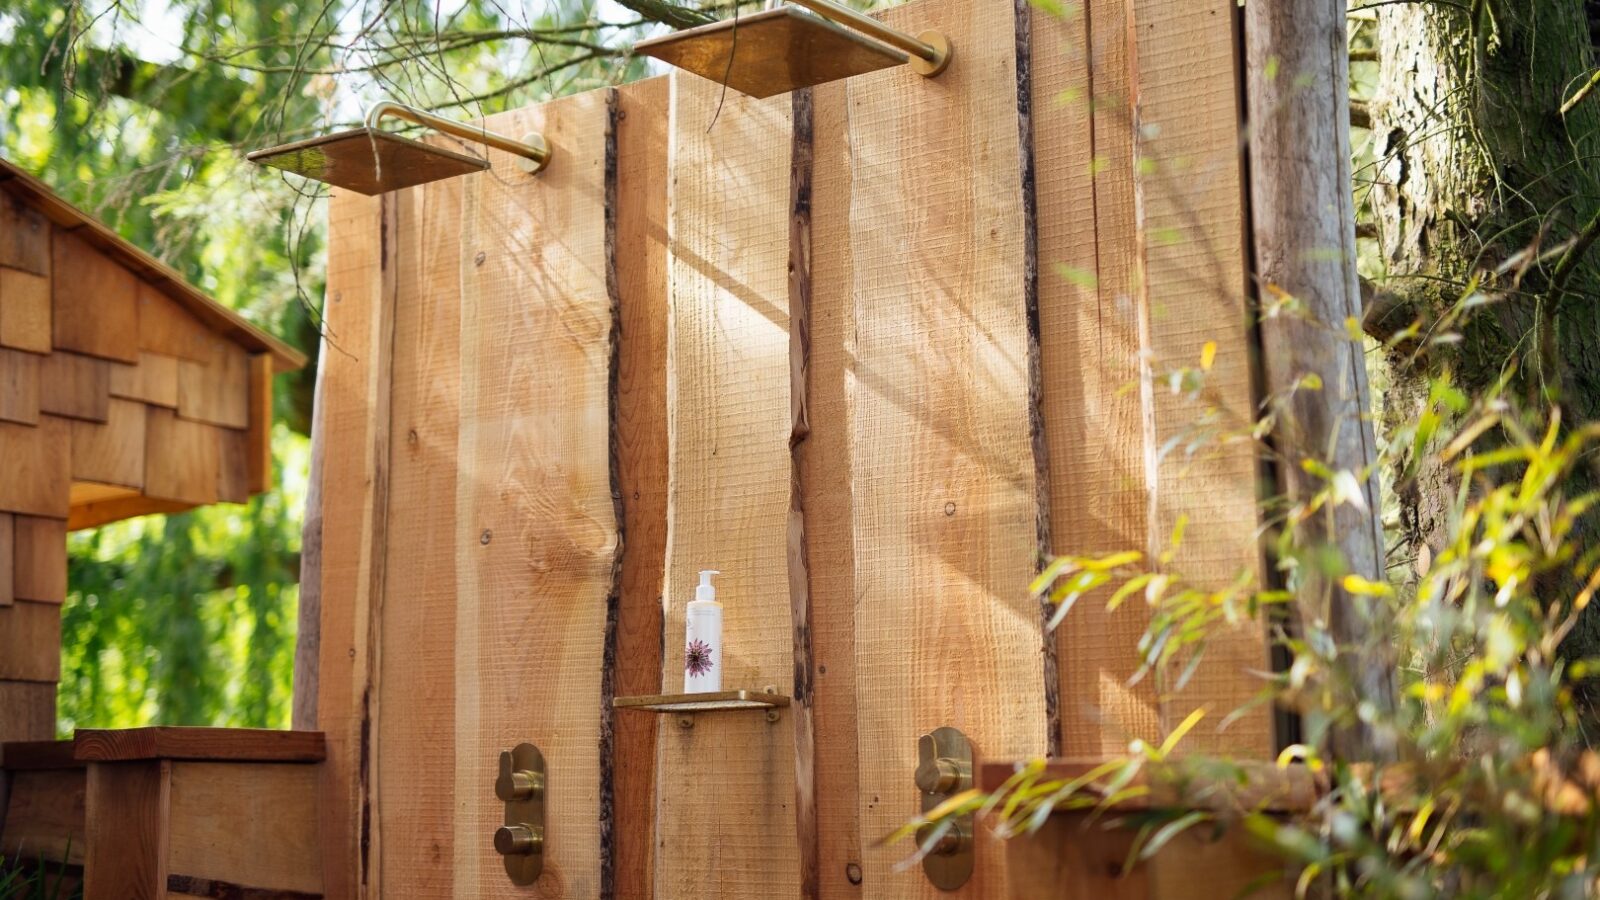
{"points": [[702, 653]]}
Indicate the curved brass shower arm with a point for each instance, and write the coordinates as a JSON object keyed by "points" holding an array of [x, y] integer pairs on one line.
{"points": [[929, 51], [533, 151]]}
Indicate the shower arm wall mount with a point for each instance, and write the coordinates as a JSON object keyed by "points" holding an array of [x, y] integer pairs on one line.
{"points": [[928, 52], [532, 152]]}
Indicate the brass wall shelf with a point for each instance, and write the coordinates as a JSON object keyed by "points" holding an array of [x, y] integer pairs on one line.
{"points": [[719, 701]]}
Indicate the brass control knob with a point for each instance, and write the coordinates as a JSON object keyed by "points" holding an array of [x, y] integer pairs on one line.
{"points": [[518, 840], [519, 785], [950, 843], [935, 774]]}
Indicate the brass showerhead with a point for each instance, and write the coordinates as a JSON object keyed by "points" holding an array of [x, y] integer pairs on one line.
{"points": [[369, 160], [784, 49]]}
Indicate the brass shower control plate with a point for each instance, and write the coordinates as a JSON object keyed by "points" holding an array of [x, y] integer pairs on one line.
{"points": [[944, 769], [521, 786]]}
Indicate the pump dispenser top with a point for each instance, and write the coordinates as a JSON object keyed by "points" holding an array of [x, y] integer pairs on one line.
{"points": [[706, 590]]}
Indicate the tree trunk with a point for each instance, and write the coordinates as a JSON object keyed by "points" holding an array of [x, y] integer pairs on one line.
{"points": [[1480, 176]]}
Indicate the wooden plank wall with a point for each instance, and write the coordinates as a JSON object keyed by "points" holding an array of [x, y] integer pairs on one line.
{"points": [[472, 585], [727, 828], [810, 333], [537, 533]]}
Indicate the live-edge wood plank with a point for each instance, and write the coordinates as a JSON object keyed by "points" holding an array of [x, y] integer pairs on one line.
{"points": [[943, 552], [352, 406], [1191, 222], [1092, 332], [826, 476], [536, 531], [415, 725], [728, 830], [639, 255]]}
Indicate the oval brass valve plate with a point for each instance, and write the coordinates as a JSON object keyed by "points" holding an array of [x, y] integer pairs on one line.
{"points": [[521, 785]]}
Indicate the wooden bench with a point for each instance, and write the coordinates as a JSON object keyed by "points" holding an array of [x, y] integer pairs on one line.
{"points": [[164, 812]]}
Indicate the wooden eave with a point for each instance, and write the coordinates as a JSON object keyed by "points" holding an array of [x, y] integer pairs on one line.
{"points": [[156, 273]]}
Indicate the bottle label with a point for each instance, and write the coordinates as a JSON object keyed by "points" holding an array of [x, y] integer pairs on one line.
{"points": [[697, 658]]}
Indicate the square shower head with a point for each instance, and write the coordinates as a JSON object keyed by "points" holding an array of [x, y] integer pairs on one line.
{"points": [[772, 52], [368, 161]]}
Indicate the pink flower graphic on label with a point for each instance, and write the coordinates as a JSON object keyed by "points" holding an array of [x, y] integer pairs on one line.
{"points": [[697, 658]]}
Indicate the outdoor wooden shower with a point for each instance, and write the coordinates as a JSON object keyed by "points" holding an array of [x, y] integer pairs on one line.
{"points": [[868, 350]]}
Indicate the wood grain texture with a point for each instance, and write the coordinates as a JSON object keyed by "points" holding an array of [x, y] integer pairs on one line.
{"points": [[40, 559], [415, 725], [38, 467], [1191, 222], [111, 452], [1092, 334], [945, 506], [19, 387], [127, 815], [222, 320], [826, 474], [27, 711], [39, 755], [249, 824], [727, 829], [8, 567], [259, 430], [45, 816], [639, 257], [216, 391], [94, 301], [24, 311], [536, 534], [153, 380], [181, 458], [1072, 858], [168, 329], [30, 642], [802, 712], [1300, 171], [96, 513], [196, 743], [24, 236], [233, 465], [352, 421], [75, 386]]}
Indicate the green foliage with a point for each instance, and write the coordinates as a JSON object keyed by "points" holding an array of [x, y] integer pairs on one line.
{"points": [[187, 619], [21, 880]]}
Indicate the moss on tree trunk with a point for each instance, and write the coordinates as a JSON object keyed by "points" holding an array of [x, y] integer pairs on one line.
{"points": [[1481, 177]]}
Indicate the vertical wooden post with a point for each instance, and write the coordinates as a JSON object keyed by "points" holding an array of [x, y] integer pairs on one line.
{"points": [[1297, 72]]}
